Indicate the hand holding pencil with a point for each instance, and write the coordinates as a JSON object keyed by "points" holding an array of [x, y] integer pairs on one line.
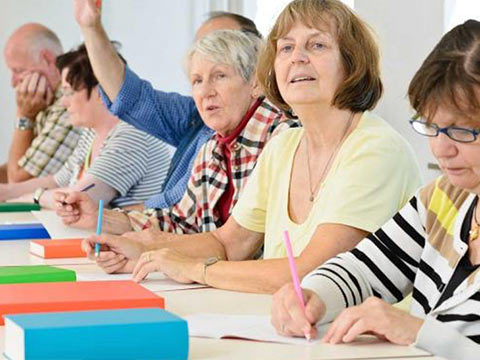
{"points": [[77, 209], [288, 316], [295, 311]]}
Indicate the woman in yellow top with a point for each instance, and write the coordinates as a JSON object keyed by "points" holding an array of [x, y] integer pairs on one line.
{"points": [[330, 183]]}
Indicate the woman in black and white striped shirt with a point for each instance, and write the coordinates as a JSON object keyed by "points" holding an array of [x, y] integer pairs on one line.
{"points": [[430, 247]]}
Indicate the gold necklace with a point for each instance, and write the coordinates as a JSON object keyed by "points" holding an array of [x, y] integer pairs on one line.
{"points": [[314, 189], [474, 231]]}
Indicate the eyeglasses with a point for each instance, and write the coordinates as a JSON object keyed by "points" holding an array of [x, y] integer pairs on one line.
{"points": [[460, 134]]}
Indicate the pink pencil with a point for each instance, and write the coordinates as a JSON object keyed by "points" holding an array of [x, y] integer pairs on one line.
{"points": [[293, 269], [293, 272]]}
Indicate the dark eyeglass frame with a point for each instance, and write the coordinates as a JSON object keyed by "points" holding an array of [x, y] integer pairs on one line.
{"points": [[445, 130]]}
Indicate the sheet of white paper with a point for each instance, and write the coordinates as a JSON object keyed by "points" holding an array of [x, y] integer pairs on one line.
{"points": [[252, 327], [155, 281], [56, 228]]}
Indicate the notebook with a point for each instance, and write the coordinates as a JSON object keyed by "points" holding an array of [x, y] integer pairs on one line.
{"points": [[23, 231], [75, 296], [155, 281], [251, 327], [34, 274], [56, 228], [149, 333], [57, 248]]}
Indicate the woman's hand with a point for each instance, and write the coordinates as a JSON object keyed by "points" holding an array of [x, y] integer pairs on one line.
{"points": [[86, 13], [375, 317], [173, 264], [76, 209], [288, 317], [118, 254]]}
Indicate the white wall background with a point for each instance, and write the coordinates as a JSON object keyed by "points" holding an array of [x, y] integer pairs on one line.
{"points": [[407, 31], [155, 35]]}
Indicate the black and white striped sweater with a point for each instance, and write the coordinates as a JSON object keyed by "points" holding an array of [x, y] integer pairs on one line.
{"points": [[416, 251]]}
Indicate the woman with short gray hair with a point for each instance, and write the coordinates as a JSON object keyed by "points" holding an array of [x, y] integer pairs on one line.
{"points": [[221, 69], [229, 47]]}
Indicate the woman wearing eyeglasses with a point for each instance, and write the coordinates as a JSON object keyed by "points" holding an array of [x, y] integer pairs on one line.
{"points": [[430, 247]]}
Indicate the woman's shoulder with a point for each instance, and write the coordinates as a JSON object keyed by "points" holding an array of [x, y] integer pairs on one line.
{"points": [[285, 141], [373, 132], [442, 194], [127, 137]]}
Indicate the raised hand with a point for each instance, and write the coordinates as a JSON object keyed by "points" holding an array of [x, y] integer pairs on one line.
{"points": [[86, 13]]}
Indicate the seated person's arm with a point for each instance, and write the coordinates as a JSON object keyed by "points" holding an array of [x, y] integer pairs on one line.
{"points": [[270, 274], [99, 191], [78, 210], [109, 69], [25, 189], [124, 252], [229, 242], [20, 143], [32, 96], [3, 173]]}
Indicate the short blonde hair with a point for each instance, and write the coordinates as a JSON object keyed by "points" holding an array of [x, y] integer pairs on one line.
{"points": [[229, 47], [362, 87]]}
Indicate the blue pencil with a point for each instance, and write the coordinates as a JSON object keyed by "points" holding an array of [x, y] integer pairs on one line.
{"points": [[99, 226]]}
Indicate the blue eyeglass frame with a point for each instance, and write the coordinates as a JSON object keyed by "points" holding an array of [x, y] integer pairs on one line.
{"points": [[444, 130]]}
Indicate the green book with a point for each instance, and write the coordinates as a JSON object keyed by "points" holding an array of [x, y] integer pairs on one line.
{"points": [[34, 274], [18, 207]]}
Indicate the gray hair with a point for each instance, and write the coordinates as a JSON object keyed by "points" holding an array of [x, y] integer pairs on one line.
{"points": [[229, 47], [45, 40]]}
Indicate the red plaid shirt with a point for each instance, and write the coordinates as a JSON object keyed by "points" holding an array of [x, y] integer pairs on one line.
{"points": [[196, 212]]}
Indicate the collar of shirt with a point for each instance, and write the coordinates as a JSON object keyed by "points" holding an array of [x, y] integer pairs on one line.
{"points": [[250, 135], [228, 140]]}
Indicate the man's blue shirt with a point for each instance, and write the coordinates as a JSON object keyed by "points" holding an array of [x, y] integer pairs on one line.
{"points": [[172, 118]]}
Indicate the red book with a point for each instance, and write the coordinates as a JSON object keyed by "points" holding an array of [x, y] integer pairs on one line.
{"points": [[75, 296], [57, 248]]}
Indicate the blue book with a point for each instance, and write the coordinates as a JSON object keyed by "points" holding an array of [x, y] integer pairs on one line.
{"points": [[23, 231], [148, 333]]}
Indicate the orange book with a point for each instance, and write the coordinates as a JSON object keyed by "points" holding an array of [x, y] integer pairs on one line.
{"points": [[75, 296], [57, 248]]}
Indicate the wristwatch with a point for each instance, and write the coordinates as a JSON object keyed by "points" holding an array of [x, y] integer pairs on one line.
{"points": [[206, 263], [24, 123], [37, 194]]}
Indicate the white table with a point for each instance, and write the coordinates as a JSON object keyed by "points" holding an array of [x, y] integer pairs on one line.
{"points": [[186, 302], [6, 217]]}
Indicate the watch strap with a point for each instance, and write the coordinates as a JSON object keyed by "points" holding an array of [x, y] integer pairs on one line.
{"points": [[37, 194], [24, 123]]}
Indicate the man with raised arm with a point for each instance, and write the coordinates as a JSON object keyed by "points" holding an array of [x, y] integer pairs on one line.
{"points": [[171, 117]]}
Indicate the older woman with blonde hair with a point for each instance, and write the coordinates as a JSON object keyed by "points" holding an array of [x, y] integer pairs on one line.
{"points": [[329, 183], [430, 246]]}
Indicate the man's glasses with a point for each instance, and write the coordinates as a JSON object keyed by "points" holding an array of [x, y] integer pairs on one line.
{"points": [[460, 134]]}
